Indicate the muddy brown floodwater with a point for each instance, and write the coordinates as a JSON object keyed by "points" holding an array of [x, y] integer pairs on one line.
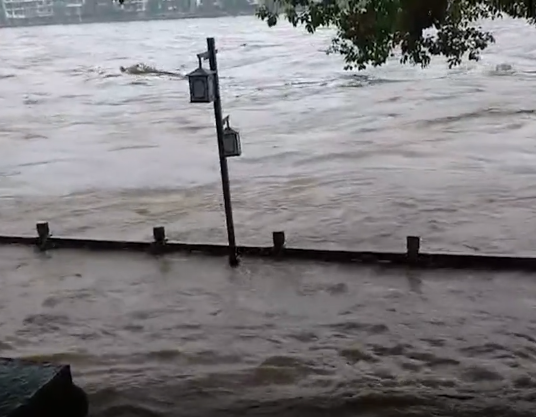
{"points": [[180, 336], [353, 161]]}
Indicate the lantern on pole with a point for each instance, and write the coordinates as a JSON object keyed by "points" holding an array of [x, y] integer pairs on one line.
{"points": [[205, 88], [201, 83], [231, 140]]}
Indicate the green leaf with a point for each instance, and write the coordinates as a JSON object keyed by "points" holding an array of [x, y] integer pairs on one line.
{"points": [[369, 32]]}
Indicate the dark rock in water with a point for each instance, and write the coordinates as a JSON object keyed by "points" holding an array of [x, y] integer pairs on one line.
{"points": [[33, 389]]}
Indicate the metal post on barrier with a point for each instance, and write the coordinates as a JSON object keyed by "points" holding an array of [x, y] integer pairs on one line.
{"points": [[413, 246], [278, 239], [43, 233], [159, 239]]}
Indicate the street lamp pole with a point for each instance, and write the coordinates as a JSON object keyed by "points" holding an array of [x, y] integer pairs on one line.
{"points": [[218, 115], [205, 88]]}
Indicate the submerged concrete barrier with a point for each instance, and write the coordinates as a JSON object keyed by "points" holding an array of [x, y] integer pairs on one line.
{"points": [[411, 257], [35, 389]]}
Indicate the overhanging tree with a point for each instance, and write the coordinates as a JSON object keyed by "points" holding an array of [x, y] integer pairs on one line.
{"points": [[368, 32]]}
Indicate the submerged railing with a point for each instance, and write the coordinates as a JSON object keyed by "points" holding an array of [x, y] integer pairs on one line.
{"points": [[160, 245]]}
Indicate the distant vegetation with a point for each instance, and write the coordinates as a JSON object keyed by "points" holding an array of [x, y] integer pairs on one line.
{"points": [[371, 31]]}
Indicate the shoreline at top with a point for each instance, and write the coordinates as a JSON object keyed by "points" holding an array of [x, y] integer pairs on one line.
{"points": [[126, 18]]}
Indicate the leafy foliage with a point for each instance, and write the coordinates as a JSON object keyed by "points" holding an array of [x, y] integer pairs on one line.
{"points": [[371, 31]]}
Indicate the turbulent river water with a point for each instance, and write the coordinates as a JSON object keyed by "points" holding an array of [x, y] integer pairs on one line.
{"points": [[333, 158]]}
